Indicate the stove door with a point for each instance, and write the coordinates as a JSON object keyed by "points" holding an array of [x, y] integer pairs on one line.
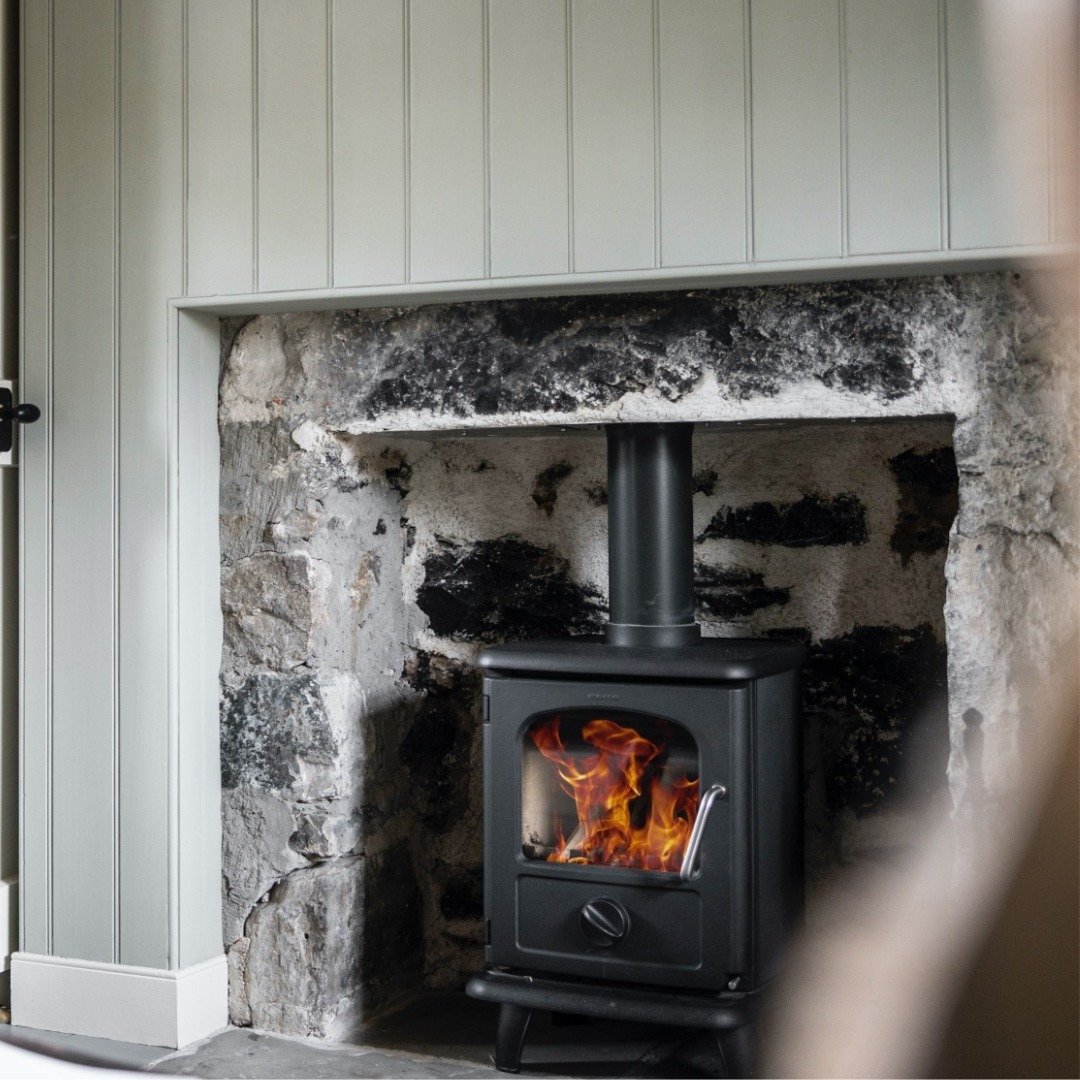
{"points": [[591, 792], [608, 788]]}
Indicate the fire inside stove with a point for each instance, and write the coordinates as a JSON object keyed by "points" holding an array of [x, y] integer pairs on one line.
{"points": [[615, 789]]}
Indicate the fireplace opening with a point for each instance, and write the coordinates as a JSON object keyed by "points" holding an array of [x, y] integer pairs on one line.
{"points": [[364, 570]]}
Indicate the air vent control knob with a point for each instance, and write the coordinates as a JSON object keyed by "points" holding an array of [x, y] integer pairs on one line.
{"points": [[604, 921]]}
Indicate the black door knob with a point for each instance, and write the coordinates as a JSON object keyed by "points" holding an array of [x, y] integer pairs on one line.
{"points": [[22, 414], [604, 922], [10, 414]]}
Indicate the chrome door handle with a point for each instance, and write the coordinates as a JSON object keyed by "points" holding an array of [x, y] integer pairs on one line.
{"points": [[693, 845]]}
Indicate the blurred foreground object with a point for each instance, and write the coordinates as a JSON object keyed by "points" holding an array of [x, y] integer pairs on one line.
{"points": [[963, 959]]}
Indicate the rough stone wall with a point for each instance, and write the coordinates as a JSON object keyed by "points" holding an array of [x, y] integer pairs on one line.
{"points": [[323, 911], [362, 572]]}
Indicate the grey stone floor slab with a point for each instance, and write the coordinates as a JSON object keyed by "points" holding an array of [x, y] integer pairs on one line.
{"points": [[448, 1036], [83, 1048], [240, 1054], [454, 1026], [442, 1036]]}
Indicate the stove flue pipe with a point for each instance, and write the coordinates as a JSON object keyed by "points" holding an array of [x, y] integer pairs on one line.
{"points": [[650, 535]]}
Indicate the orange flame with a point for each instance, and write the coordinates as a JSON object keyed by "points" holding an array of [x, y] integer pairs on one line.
{"points": [[618, 824]]}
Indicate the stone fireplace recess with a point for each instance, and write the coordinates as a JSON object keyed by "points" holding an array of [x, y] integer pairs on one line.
{"points": [[874, 478]]}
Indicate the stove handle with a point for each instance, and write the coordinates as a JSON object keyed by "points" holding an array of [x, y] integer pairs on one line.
{"points": [[693, 845]]}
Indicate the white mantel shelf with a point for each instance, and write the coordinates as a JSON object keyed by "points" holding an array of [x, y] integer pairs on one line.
{"points": [[1042, 256], [188, 159]]}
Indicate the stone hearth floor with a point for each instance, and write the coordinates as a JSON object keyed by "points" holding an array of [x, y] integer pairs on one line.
{"points": [[442, 1036], [449, 1036]]}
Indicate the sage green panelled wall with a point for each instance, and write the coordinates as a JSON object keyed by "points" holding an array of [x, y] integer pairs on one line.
{"points": [[341, 143], [9, 484], [103, 245], [207, 148]]}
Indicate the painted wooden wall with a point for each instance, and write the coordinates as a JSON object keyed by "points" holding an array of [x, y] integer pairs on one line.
{"points": [[337, 151], [9, 498], [377, 142]]}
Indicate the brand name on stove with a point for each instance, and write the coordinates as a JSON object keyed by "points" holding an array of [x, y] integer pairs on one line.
{"points": [[602, 697]]}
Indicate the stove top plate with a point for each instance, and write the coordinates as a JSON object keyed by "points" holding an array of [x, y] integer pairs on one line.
{"points": [[709, 660]]}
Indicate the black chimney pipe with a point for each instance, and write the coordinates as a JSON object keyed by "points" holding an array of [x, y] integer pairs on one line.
{"points": [[650, 535]]}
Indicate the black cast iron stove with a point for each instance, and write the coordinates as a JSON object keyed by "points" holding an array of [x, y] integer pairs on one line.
{"points": [[642, 800]]}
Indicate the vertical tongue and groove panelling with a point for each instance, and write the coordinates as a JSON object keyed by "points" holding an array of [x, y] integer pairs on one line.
{"points": [[339, 145]]}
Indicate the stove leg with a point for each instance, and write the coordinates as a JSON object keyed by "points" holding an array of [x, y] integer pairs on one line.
{"points": [[510, 1038], [739, 1051]]}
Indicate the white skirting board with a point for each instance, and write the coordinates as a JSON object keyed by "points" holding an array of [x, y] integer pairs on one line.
{"points": [[115, 1001], [9, 919]]}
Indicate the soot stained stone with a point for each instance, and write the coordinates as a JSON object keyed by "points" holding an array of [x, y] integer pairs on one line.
{"points": [[705, 481], [393, 919], [929, 500], [269, 723], [546, 488], [437, 747], [813, 521], [462, 895], [504, 589], [879, 696], [484, 359], [347, 484], [567, 353], [731, 593], [399, 477], [596, 494]]}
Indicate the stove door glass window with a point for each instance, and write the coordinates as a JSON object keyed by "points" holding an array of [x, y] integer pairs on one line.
{"points": [[608, 788]]}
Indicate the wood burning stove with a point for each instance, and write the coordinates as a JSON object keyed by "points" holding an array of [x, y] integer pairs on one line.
{"points": [[642, 792]]}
